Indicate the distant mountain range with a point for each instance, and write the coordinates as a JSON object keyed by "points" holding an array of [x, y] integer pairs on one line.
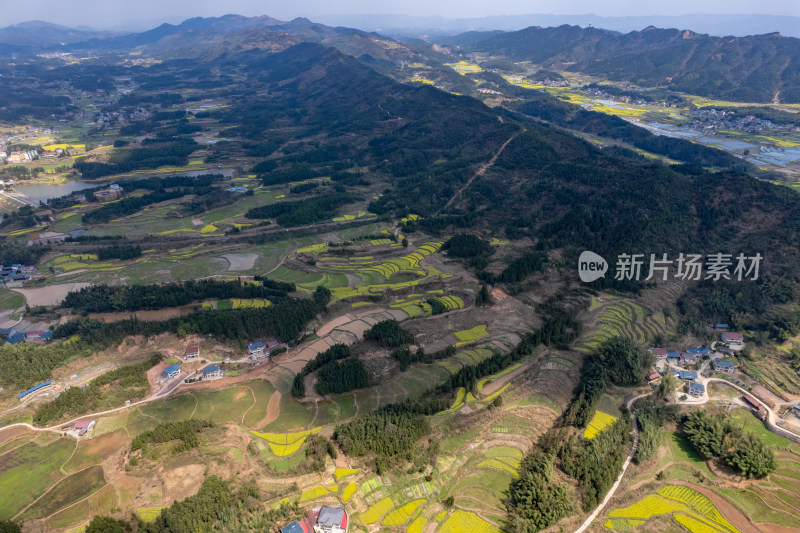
{"points": [[762, 68], [433, 27]]}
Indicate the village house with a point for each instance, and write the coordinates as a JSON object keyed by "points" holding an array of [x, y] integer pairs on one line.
{"points": [[82, 426], [653, 378], [673, 357], [191, 352], [171, 372], [687, 376], [256, 350], [302, 526], [660, 353], [212, 371], [721, 365], [734, 339], [696, 390], [331, 520]]}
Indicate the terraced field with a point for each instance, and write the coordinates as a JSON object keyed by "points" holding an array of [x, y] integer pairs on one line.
{"points": [[610, 316], [687, 506]]}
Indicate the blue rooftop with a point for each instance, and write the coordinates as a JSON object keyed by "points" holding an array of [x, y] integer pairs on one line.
{"points": [[723, 364], [673, 355], [34, 389], [16, 338], [253, 346], [170, 369], [47, 335], [721, 326], [294, 527], [689, 376], [699, 350], [697, 386], [210, 369]]}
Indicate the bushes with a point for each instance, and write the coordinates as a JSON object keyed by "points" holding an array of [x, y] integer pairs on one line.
{"points": [[186, 431]]}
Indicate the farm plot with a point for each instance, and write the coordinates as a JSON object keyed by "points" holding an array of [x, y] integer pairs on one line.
{"points": [[686, 505], [67, 491], [599, 422], [621, 318], [461, 521]]}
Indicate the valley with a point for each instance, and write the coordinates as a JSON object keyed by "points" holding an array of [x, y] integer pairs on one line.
{"points": [[253, 268]]}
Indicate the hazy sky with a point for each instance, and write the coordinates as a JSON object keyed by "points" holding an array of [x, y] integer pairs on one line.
{"points": [[111, 13]]}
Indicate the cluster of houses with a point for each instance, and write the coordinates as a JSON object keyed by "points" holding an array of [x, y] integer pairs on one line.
{"points": [[13, 336], [16, 273], [688, 357], [259, 350], [321, 520], [20, 157]]}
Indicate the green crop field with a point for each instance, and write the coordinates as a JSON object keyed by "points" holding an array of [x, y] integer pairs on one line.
{"points": [[27, 471], [69, 490]]}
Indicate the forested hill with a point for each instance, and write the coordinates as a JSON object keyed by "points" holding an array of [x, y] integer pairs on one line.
{"points": [[749, 69]]}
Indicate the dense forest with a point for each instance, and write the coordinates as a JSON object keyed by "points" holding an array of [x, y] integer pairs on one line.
{"points": [[619, 361], [716, 436], [332, 377], [106, 299], [283, 321], [174, 152], [388, 333], [27, 364]]}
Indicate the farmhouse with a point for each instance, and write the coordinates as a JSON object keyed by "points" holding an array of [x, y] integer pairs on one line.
{"points": [[689, 357], [724, 366], [673, 357], [331, 520], [721, 326], [732, 338], [212, 371], [191, 352], [796, 410], [83, 426], [257, 350], [661, 353], [696, 390], [687, 376], [653, 378], [699, 351], [761, 411], [171, 371]]}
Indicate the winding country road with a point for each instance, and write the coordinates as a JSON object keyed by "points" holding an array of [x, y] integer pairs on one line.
{"points": [[625, 465]]}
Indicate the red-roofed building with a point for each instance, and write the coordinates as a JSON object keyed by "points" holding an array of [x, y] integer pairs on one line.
{"points": [[733, 338], [191, 352], [83, 425], [659, 352]]}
